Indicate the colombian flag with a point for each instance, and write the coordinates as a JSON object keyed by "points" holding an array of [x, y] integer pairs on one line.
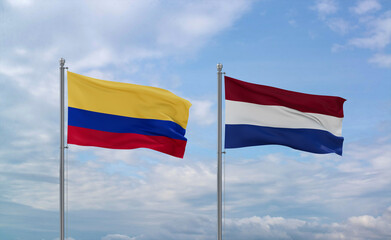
{"points": [[125, 116], [263, 115]]}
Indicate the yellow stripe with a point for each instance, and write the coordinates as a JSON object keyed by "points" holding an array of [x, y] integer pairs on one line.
{"points": [[126, 99]]}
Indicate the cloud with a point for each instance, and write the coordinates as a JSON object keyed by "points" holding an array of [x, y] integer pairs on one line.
{"points": [[202, 112], [337, 47], [382, 60], [261, 227], [292, 22], [118, 237], [366, 6], [184, 226], [123, 180], [151, 197], [107, 183], [377, 32], [95, 35], [20, 3], [325, 7], [363, 227], [362, 175], [273, 228], [378, 35], [338, 25]]}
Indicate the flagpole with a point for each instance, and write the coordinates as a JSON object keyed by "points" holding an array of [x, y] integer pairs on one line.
{"points": [[219, 152], [62, 147]]}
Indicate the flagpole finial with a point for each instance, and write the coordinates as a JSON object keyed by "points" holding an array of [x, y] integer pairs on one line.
{"points": [[219, 67], [62, 61]]}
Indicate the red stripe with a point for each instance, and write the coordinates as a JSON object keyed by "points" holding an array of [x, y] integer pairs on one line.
{"points": [[237, 90], [96, 138]]}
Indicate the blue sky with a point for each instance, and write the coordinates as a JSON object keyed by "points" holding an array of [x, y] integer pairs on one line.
{"points": [[329, 47]]}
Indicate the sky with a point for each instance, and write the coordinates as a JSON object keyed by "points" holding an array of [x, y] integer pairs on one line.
{"points": [[327, 47]]}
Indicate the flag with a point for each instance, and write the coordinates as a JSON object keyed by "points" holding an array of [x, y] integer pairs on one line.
{"points": [[263, 115], [125, 116]]}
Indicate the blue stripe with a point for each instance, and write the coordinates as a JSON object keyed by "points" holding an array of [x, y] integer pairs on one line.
{"points": [[120, 124], [309, 140]]}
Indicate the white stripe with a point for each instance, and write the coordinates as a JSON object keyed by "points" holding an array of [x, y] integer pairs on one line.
{"points": [[278, 116]]}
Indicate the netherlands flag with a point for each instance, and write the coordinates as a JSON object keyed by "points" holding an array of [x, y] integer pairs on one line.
{"points": [[263, 115]]}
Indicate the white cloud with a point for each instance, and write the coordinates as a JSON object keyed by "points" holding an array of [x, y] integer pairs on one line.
{"points": [[382, 60], [292, 22], [161, 190], [196, 21], [362, 173], [367, 227], [365, 6], [97, 58], [110, 184], [267, 221], [20, 3], [378, 35], [337, 47], [202, 112], [17, 72], [118, 237], [338, 25], [96, 34], [325, 7], [262, 228], [273, 228]]}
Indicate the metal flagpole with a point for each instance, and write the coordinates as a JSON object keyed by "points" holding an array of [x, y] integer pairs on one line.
{"points": [[219, 152], [62, 147]]}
